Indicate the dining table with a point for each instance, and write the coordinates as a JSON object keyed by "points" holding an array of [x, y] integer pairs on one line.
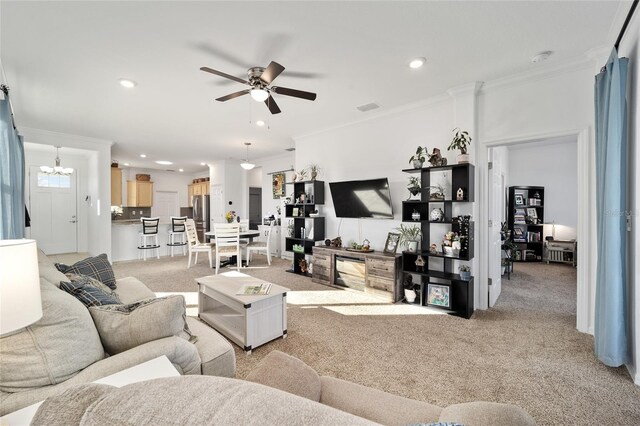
{"points": [[248, 235]]}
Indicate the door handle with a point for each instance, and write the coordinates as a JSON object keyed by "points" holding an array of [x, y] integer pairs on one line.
{"points": [[72, 221]]}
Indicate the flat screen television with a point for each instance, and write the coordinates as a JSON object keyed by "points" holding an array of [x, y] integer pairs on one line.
{"points": [[362, 198]]}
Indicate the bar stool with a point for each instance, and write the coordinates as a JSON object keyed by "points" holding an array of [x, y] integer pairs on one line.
{"points": [[148, 238], [177, 234]]}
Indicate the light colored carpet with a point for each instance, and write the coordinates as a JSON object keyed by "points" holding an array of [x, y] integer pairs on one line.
{"points": [[524, 351]]}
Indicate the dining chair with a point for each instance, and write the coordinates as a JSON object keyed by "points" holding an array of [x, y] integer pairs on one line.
{"points": [[227, 237], [195, 246], [261, 246]]}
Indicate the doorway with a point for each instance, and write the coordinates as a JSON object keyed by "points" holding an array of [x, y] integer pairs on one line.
{"points": [[165, 205], [53, 210], [255, 207]]}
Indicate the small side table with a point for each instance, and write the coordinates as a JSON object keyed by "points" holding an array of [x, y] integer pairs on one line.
{"points": [[561, 251]]}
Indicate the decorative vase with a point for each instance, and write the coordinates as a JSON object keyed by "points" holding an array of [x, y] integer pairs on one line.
{"points": [[417, 164], [314, 175], [415, 215], [447, 250], [413, 246], [410, 295], [413, 191], [463, 158], [465, 275], [436, 215]]}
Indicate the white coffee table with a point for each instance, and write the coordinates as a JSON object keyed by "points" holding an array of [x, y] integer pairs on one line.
{"points": [[152, 369], [248, 321]]}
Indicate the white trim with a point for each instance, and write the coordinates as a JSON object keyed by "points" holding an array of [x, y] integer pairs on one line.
{"points": [[586, 261], [29, 132]]}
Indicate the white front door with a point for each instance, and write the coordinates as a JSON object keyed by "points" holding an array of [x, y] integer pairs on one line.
{"points": [[165, 205], [53, 211], [216, 200], [496, 205]]}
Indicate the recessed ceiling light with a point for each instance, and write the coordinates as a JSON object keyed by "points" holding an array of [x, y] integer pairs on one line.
{"points": [[260, 123], [143, 155], [203, 164], [181, 170], [126, 164], [417, 62], [542, 56], [164, 162], [129, 84]]}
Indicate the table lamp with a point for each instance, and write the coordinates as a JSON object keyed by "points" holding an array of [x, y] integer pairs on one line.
{"points": [[20, 302]]}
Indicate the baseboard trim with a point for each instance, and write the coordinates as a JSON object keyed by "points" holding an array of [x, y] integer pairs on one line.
{"points": [[634, 374]]}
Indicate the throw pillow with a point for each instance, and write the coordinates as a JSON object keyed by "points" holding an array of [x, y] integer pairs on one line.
{"points": [[88, 293], [122, 327], [97, 267], [53, 349], [85, 279]]}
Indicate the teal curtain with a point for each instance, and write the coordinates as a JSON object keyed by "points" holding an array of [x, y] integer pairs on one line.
{"points": [[611, 313], [12, 207]]}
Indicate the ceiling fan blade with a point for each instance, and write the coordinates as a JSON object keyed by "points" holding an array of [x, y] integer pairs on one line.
{"points": [[293, 92], [221, 74], [272, 105], [233, 95], [273, 70]]}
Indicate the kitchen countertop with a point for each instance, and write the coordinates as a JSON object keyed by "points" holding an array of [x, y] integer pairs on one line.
{"points": [[122, 222]]}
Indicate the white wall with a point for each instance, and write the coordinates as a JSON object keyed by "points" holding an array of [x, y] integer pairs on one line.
{"points": [[378, 147], [254, 178], [630, 47], [98, 181], [270, 165], [552, 165], [233, 180]]}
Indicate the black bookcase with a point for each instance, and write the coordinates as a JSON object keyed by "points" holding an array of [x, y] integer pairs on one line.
{"points": [[461, 292], [525, 219], [300, 213]]}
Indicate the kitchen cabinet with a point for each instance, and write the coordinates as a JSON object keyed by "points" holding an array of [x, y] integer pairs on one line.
{"points": [[199, 188], [116, 186], [274, 242], [139, 193]]}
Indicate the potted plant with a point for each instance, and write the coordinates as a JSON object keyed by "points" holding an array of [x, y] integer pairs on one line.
{"points": [[409, 236], [418, 158], [414, 186], [314, 169], [302, 175], [230, 216], [410, 289], [436, 193], [465, 272], [460, 141]]}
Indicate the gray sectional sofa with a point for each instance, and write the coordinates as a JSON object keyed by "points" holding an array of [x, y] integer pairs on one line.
{"points": [[63, 349]]}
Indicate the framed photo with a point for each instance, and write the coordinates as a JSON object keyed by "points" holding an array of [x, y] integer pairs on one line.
{"points": [[438, 295], [518, 232], [532, 212], [391, 246], [295, 212], [519, 200], [278, 185]]}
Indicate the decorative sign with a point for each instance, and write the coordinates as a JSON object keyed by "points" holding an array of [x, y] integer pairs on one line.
{"points": [[278, 185]]}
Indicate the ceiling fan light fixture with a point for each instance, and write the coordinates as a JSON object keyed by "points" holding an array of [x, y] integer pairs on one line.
{"points": [[417, 62], [129, 84], [259, 95]]}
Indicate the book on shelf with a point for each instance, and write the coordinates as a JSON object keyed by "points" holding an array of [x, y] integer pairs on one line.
{"points": [[254, 289], [535, 202], [533, 237]]}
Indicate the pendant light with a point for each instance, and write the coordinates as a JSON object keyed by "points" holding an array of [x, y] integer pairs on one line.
{"points": [[58, 169], [246, 164]]}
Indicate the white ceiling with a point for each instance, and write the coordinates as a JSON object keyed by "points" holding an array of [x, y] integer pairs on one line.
{"points": [[63, 61]]}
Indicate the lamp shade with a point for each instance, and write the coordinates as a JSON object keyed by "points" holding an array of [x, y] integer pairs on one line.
{"points": [[20, 302]]}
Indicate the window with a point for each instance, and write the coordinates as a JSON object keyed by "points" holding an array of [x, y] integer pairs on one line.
{"points": [[46, 180]]}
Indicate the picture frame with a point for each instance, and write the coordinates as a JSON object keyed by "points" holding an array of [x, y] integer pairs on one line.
{"points": [[295, 212], [519, 199], [391, 245], [439, 295], [278, 185], [532, 212], [518, 232]]}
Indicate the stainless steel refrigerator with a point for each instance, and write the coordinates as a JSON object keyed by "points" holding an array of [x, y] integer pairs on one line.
{"points": [[201, 215]]}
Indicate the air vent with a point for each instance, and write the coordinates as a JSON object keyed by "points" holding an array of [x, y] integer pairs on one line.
{"points": [[367, 107], [170, 170], [290, 149]]}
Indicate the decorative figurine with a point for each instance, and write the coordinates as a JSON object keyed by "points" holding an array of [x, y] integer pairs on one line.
{"points": [[303, 265], [415, 215], [433, 249], [436, 159], [336, 242], [437, 215], [460, 194], [420, 264]]}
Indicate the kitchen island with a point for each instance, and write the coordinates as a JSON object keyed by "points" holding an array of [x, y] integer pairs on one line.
{"points": [[125, 240]]}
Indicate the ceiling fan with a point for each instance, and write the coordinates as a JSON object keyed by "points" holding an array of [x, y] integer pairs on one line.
{"points": [[260, 79]]}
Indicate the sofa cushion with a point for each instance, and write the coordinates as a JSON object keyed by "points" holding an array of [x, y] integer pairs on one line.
{"points": [[48, 270], [481, 413], [87, 293], [131, 290], [298, 377], [376, 405], [122, 327], [69, 407], [216, 354], [50, 351], [97, 267], [199, 400]]}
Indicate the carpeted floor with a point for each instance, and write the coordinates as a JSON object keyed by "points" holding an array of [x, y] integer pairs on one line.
{"points": [[525, 351]]}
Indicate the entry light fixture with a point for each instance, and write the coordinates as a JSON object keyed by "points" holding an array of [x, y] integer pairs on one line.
{"points": [[143, 155], [58, 169], [540, 57], [246, 164], [259, 95]]}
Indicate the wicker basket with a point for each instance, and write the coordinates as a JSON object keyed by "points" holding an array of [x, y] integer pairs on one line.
{"points": [[143, 178]]}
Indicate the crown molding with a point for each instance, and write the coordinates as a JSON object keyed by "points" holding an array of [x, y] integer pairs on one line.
{"points": [[466, 89], [40, 136]]}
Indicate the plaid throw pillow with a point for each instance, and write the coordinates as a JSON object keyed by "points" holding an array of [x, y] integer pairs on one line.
{"points": [[95, 267], [85, 292]]}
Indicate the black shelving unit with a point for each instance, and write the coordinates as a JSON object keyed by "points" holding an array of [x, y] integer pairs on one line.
{"points": [[461, 292], [315, 188], [525, 234]]}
